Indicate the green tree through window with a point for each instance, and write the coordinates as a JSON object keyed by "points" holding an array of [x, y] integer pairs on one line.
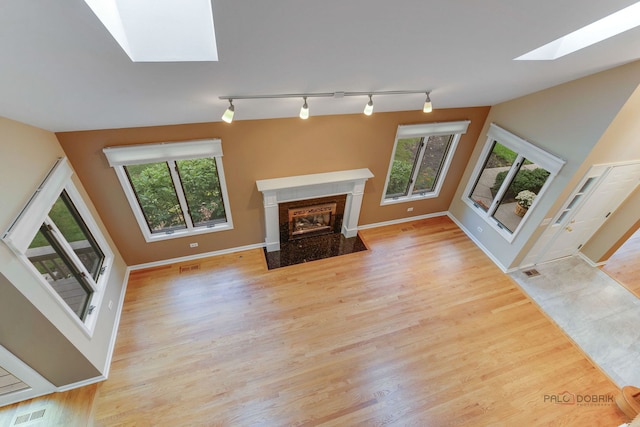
{"points": [[421, 157], [159, 198]]}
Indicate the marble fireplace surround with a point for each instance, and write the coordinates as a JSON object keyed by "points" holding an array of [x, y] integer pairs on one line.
{"points": [[303, 187]]}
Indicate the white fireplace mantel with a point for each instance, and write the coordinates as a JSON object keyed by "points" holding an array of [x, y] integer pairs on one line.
{"points": [[302, 187]]}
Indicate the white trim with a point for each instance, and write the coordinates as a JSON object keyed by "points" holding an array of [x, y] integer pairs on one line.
{"points": [[525, 150], [116, 325], [360, 227], [121, 156], [289, 189], [425, 130], [301, 181], [433, 129], [34, 214], [403, 220], [82, 383], [162, 152], [26, 225], [529, 150], [589, 261], [195, 257], [225, 196]]}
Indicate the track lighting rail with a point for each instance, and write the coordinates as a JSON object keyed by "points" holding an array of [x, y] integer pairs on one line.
{"points": [[304, 111], [323, 94]]}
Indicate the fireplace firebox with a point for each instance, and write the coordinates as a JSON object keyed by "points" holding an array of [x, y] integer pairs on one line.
{"points": [[311, 220], [311, 217]]}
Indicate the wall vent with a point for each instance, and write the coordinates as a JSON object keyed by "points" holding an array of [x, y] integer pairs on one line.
{"points": [[35, 417], [188, 268], [532, 272]]}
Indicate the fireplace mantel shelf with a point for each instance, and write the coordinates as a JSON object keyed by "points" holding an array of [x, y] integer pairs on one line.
{"points": [[313, 179], [302, 187]]}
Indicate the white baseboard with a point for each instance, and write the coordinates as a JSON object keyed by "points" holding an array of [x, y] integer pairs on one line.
{"points": [[401, 220], [589, 261], [197, 256], [480, 245], [458, 223], [82, 383], [116, 324]]}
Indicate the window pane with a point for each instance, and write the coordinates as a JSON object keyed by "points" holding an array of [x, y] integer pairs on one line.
{"points": [[403, 163], [434, 154], [75, 231], [521, 192], [495, 169], [156, 195], [48, 257], [201, 187]]}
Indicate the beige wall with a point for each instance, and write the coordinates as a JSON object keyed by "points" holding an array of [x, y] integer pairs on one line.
{"points": [[567, 120], [620, 143], [28, 153], [37, 342], [262, 149]]}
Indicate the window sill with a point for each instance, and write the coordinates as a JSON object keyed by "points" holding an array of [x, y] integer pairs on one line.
{"points": [[509, 237], [411, 198], [186, 233]]}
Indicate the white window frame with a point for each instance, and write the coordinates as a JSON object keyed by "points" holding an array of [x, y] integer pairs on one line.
{"points": [[525, 150], [169, 152], [24, 229], [425, 130]]}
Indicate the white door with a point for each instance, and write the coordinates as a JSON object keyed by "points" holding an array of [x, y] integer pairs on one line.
{"points": [[589, 209], [18, 381]]}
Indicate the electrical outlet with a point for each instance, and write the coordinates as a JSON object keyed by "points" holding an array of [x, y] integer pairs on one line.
{"points": [[409, 209], [193, 245], [479, 229]]}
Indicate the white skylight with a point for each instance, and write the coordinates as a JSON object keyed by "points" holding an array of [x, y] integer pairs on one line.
{"points": [[607, 27], [160, 30]]}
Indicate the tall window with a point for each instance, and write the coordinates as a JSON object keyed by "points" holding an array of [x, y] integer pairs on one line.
{"points": [[63, 234], [509, 179], [61, 244], [420, 160], [175, 189]]}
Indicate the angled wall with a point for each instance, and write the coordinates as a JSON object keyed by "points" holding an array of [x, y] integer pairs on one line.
{"points": [[620, 143], [567, 120], [28, 153]]}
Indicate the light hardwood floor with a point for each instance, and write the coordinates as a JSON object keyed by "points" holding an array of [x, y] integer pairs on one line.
{"points": [[624, 264], [421, 330]]}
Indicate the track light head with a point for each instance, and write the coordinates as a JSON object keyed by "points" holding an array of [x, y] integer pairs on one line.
{"points": [[228, 115], [368, 109], [427, 105], [304, 111]]}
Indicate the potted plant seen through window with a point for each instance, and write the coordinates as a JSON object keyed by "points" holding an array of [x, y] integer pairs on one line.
{"points": [[525, 199]]}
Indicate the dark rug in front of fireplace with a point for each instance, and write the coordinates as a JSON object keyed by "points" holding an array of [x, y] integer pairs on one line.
{"points": [[313, 248]]}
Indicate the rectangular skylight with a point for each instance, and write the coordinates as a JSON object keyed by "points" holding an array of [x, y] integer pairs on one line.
{"points": [[160, 30], [607, 27]]}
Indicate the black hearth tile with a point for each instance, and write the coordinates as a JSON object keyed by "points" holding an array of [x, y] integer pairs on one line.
{"points": [[313, 248]]}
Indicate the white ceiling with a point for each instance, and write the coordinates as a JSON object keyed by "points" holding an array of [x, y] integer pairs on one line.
{"points": [[61, 70]]}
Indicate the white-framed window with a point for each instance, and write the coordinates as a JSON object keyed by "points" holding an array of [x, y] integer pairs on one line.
{"points": [[175, 189], [509, 179], [56, 237], [420, 160]]}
